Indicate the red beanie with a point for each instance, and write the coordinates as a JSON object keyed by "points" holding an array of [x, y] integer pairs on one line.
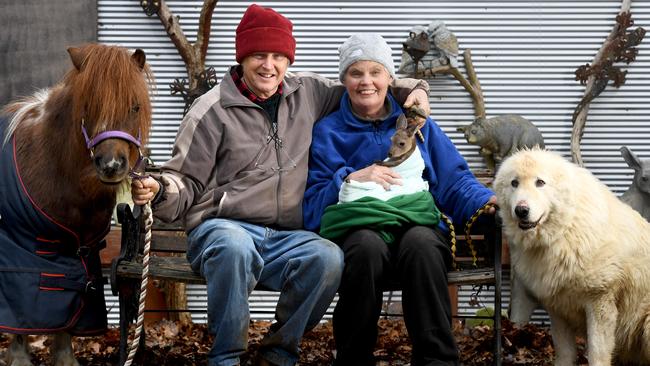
{"points": [[264, 30]]}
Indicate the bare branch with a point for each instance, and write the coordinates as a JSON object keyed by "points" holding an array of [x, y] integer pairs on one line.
{"points": [[203, 34], [175, 33], [473, 87], [431, 72], [581, 118], [193, 54], [476, 99], [477, 91]]}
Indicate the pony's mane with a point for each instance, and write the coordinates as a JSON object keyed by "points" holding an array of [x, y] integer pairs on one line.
{"points": [[107, 88], [19, 110]]}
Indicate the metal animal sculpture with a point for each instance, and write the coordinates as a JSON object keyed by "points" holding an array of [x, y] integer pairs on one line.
{"points": [[65, 152], [206, 80], [638, 193], [428, 47], [445, 41], [622, 48], [416, 46], [620, 45], [501, 136]]}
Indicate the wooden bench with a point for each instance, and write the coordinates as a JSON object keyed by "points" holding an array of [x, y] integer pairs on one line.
{"points": [[126, 269]]}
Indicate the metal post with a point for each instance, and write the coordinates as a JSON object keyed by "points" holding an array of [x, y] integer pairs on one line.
{"points": [[497, 290]]}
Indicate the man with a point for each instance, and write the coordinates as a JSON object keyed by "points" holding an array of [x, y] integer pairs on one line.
{"points": [[237, 177]]}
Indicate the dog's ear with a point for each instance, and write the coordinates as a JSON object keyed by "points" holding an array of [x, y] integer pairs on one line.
{"points": [[562, 181], [502, 180]]}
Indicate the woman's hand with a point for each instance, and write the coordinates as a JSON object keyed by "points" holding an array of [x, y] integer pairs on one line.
{"points": [[492, 210], [381, 175], [144, 190]]}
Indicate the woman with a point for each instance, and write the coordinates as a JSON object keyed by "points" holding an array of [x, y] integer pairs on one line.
{"points": [[414, 251]]}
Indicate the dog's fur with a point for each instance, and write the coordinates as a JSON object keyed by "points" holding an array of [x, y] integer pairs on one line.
{"points": [[583, 253]]}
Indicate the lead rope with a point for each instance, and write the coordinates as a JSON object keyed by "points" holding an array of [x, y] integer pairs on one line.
{"points": [[452, 237], [468, 237], [468, 227], [148, 222]]}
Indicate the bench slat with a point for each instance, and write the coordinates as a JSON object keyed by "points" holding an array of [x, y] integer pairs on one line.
{"points": [[178, 269], [176, 241], [168, 241], [169, 268]]}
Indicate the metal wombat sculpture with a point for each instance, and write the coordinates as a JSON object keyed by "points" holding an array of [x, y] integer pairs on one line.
{"points": [[637, 195], [501, 136]]}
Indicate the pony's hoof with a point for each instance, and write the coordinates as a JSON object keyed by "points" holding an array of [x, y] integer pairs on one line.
{"points": [[18, 361], [18, 353], [67, 361]]}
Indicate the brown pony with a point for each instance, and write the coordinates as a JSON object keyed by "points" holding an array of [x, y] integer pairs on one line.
{"points": [[70, 148]]}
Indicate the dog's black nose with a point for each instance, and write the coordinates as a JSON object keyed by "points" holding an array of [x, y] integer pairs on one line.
{"points": [[522, 211]]}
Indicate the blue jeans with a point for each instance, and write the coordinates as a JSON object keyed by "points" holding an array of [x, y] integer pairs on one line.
{"points": [[235, 256]]}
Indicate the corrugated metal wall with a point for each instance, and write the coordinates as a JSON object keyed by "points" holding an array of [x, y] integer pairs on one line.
{"points": [[524, 52], [34, 38]]}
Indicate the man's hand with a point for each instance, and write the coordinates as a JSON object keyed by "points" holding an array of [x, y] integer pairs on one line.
{"points": [[381, 175], [420, 98], [144, 190]]}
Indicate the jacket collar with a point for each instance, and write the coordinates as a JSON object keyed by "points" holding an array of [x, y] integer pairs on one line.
{"points": [[354, 122], [231, 96]]}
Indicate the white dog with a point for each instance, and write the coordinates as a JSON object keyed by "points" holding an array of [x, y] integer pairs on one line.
{"points": [[582, 253]]}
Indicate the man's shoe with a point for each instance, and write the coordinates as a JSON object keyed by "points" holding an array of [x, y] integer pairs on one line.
{"points": [[261, 361]]}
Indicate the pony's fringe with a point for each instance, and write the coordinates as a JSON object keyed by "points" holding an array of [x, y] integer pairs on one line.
{"points": [[20, 109]]}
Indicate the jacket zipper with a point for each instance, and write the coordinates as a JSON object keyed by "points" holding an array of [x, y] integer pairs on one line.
{"points": [[279, 190], [276, 146], [376, 134], [278, 169]]}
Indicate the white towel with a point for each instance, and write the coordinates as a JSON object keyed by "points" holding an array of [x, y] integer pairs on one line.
{"points": [[411, 172]]}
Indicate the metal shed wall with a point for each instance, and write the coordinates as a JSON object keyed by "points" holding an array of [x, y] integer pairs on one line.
{"points": [[524, 52], [34, 38]]}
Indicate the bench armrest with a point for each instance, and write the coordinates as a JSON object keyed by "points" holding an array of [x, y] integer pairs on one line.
{"points": [[131, 224]]}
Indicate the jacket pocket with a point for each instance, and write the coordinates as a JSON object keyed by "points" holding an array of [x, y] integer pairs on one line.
{"points": [[221, 203], [36, 307]]}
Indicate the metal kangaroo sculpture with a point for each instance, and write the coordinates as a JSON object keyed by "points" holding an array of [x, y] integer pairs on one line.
{"points": [[637, 195]]}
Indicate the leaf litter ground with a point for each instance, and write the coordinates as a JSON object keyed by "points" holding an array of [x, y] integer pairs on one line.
{"points": [[168, 343]]}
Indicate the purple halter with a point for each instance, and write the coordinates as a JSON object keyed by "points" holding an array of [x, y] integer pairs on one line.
{"points": [[91, 143], [138, 170]]}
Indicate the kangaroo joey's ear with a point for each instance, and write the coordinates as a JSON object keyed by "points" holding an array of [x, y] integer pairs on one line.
{"points": [[401, 123], [415, 112], [630, 158], [412, 129]]}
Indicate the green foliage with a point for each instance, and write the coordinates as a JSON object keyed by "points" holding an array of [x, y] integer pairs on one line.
{"points": [[484, 312]]}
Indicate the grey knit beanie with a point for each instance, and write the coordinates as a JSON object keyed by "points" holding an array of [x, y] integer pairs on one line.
{"points": [[365, 47]]}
